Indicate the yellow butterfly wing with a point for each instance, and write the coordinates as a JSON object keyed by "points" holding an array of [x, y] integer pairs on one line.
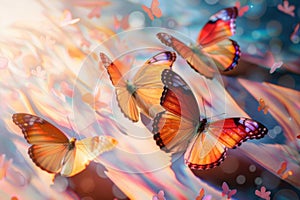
{"points": [[85, 151], [148, 82]]}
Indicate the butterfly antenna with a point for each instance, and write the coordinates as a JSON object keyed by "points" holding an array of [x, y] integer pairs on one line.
{"points": [[73, 130]]}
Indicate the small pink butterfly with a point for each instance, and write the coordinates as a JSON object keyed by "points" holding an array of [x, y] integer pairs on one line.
{"points": [[3, 62], [95, 12], [286, 8], [154, 10], [121, 23], [159, 196], [67, 19], [227, 191], [295, 36], [283, 172], [241, 10], [263, 193]]}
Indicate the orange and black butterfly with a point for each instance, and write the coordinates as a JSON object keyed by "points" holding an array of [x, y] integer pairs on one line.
{"points": [[53, 152], [213, 42], [180, 128], [144, 89]]}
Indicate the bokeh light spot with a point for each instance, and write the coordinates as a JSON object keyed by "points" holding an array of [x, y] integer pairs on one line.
{"points": [[241, 179]]}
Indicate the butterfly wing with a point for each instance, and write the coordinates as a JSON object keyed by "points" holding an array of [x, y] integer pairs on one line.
{"points": [[148, 82], [195, 60], [219, 27], [85, 151], [126, 101], [214, 41], [50, 145], [208, 149], [174, 128], [148, 11], [155, 9], [225, 54]]}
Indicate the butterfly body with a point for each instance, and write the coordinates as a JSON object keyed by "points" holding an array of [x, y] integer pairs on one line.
{"points": [[53, 152], [178, 128], [213, 43]]}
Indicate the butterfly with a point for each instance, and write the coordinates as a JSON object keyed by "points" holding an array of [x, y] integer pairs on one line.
{"points": [[286, 8], [154, 10], [227, 192], [263, 106], [145, 88], [121, 23], [212, 42], [295, 36], [283, 172], [53, 152], [241, 10], [263, 193], [179, 128]]}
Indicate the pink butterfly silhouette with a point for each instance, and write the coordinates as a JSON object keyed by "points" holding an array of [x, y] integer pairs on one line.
{"points": [[263, 193], [95, 12], [227, 191], [154, 10], [295, 36], [159, 196], [241, 10], [283, 172], [121, 23], [286, 8]]}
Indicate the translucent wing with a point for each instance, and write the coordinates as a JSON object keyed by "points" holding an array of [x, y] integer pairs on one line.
{"points": [[85, 151], [113, 71], [219, 27], [178, 97], [198, 62], [148, 11], [148, 81], [126, 100], [174, 128], [155, 9]]}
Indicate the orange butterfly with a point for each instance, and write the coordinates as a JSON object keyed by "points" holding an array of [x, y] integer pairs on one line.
{"points": [[144, 90], [263, 106], [283, 172], [121, 23], [154, 10], [212, 42], [53, 152], [180, 128], [241, 10]]}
